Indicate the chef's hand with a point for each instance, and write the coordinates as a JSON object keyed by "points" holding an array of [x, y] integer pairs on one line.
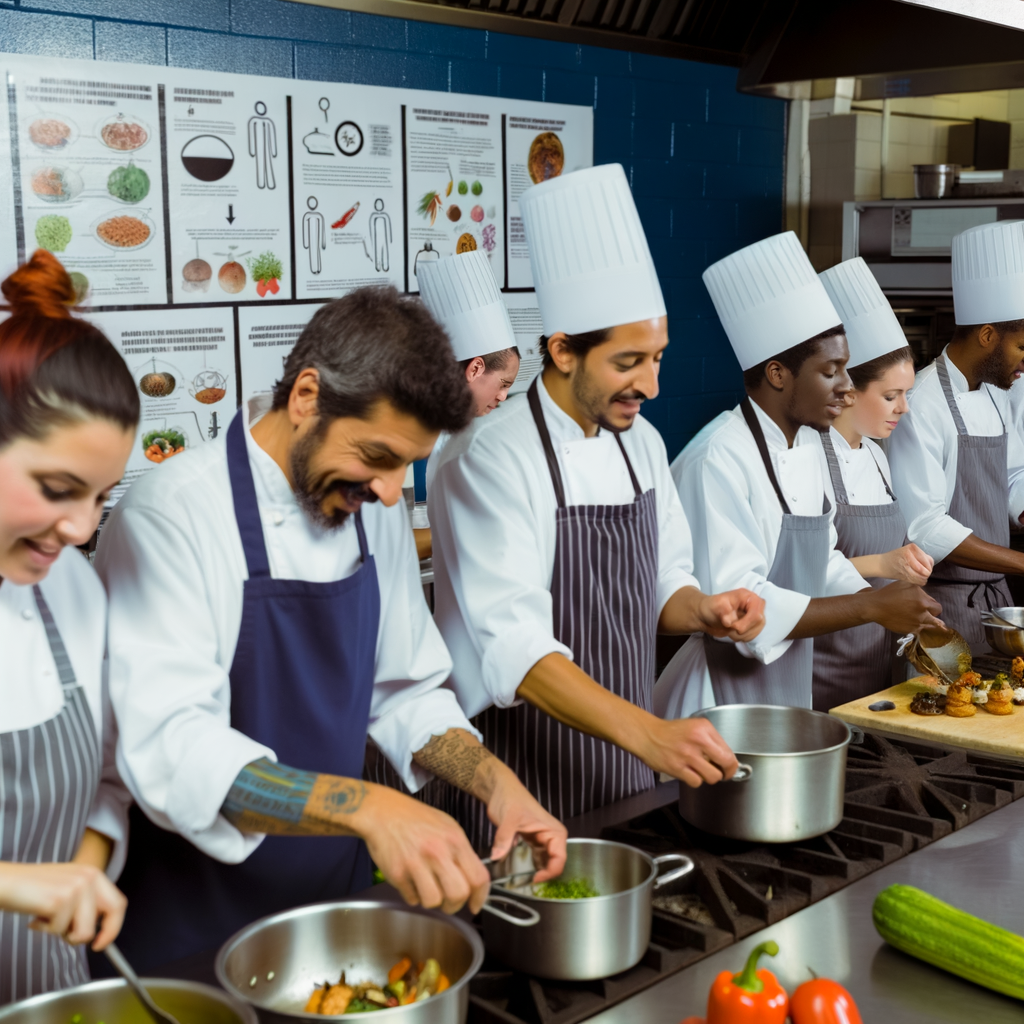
{"points": [[65, 900], [513, 811], [423, 853], [737, 615], [908, 563], [688, 749], [904, 608]]}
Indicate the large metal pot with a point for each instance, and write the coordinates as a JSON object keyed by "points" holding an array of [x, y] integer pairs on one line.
{"points": [[113, 1002], [1005, 639], [579, 940], [935, 181], [275, 963], [792, 783]]}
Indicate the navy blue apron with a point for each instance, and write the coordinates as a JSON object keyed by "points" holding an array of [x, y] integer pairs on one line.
{"points": [[301, 682]]}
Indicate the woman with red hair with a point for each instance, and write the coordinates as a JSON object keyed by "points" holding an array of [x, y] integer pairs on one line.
{"points": [[68, 415]]}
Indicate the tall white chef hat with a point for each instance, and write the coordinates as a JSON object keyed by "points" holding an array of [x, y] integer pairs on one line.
{"points": [[462, 295], [871, 326], [588, 252], [988, 273], [769, 298]]}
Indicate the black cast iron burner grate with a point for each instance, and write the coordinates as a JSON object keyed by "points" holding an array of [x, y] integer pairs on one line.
{"points": [[900, 796]]}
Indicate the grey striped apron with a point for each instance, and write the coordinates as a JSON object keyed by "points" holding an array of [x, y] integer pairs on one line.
{"points": [[980, 502], [48, 780], [800, 564], [604, 604], [851, 663]]}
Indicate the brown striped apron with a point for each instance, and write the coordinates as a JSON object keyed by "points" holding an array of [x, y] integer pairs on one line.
{"points": [[605, 610], [49, 775], [981, 501], [801, 565], [853, 662]]}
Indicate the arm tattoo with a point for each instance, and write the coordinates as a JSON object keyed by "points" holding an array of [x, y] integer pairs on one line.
{"points": [[278, 800], [454, 757]]}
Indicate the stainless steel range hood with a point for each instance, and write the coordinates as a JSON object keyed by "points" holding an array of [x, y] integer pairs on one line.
{"points": [[892, 47]]}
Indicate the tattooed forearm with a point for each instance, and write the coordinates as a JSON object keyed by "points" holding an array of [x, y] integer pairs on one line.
{"points": [[458, 758], [278, 800]]}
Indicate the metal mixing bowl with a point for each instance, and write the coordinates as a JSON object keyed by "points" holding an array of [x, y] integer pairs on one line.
{"points": [[113, 1002], [1004, 639], [275, 963], [935, 181]]}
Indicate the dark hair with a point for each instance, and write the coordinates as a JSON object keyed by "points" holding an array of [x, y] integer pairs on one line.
{"points": [[494, 361], [875, 369], [964, 331], [792, 359], [376, 344], [56, 369], [577, 344]]}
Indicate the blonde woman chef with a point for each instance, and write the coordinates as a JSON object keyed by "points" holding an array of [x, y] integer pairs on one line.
{"points": [[870, 527]]}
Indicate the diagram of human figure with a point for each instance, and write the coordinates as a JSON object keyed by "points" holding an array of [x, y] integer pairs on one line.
{"points": [[314, 235], [380, 235], [263, 146]]}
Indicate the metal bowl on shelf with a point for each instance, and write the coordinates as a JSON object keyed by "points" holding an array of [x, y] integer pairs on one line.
{"points": [[1006, 639], [114, 1002], [275, 963], [935, 181]]}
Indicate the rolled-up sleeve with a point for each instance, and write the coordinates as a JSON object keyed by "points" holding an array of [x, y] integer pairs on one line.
{"points": [[497, 566], [408, 705], [177, 752], [736, 558], [920, 449]]}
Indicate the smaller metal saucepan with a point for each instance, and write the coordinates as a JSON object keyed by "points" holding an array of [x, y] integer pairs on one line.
{"points": [[578, 939], [792, 777]]}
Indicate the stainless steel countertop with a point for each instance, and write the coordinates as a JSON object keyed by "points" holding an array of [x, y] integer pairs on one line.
{"points": [[979, 869]]}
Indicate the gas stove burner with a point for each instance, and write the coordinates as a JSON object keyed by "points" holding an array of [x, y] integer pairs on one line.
{"points": [[900, 796]]}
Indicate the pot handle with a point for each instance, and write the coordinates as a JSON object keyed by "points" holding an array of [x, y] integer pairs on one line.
{"points": [[685, 867], [743, 772], [530, 918]]}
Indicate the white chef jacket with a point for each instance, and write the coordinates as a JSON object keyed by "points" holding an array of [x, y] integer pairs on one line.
{"points": [[420, 515], [859, 468], [736, 520], [923, 455], [172, 560], [493, 513], [30, 689]]}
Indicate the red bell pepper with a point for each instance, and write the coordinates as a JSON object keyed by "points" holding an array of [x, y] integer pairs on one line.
{"points": [[821, 1001], [751, 997]]}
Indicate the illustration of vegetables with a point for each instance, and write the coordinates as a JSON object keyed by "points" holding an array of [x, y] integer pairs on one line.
{"points": [[463, 187], [430, 206], [477, 213], [158, 445], [53, 232], [477, 188], [345, 217], [488, 241], [451, 181], [265, 269], [130, 184]]}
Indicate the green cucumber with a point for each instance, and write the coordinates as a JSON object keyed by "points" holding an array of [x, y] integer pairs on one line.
{"points": [[940, 935]]}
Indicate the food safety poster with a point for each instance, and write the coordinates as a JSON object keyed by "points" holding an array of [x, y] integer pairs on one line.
{"points": [[184, 363], [235, 205]]}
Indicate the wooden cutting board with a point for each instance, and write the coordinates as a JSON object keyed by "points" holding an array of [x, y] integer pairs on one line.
{"points": [[994, 734]]}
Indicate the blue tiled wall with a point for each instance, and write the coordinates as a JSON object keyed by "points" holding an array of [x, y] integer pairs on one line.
{"points": [[705, 162]]}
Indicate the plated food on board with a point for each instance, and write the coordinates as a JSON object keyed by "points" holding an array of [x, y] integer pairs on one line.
{"points": [[407, 983], [962, 698]]}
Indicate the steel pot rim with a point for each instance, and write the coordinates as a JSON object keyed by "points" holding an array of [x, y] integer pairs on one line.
{"points": [[314, 909], [651, 875], [745, 754], [245, 1010]]}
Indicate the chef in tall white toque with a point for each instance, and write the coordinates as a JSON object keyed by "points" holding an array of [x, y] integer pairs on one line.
{"points": [[560, 545], [461, 293], [870, 527], [957, 461], [752, 483]]}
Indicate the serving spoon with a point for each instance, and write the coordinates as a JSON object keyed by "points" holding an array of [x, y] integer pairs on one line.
{"points": [[991, 618], [116, 957]]}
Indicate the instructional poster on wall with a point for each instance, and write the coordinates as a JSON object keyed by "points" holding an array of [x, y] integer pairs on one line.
{"points": [[183, 363], [454, 178], [266, 335], [204, 217]]}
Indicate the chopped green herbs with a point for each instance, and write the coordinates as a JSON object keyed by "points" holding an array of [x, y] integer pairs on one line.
{"points": [[567, 889]]}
